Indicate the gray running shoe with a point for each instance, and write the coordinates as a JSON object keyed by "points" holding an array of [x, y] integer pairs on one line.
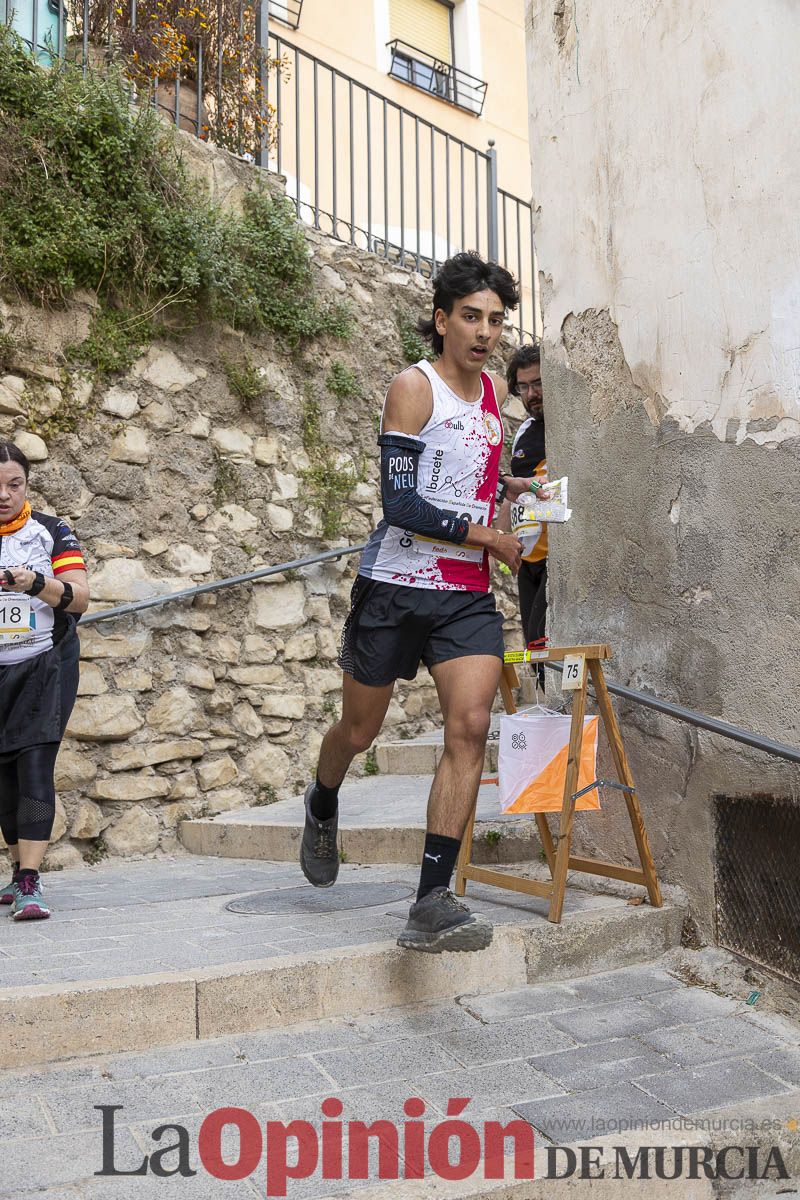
{"points": [[440, 922], [319, 854]]}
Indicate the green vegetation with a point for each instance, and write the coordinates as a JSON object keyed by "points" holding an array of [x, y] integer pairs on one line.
{"points": [[8, 348], [343, 383], [116, 338], [312, 431], [94, 194], [329, 489], [370, 764], [411, 343], [96, 851], [63, 419], [266, 795], [328, 486], [493, 836], [244, 380], [227, 483]]}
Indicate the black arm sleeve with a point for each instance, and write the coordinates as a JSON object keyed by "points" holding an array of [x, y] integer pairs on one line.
{"points": [[402, 504]]}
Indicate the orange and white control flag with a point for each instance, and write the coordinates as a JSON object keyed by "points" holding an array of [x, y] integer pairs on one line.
{"points": [[533, 762]]}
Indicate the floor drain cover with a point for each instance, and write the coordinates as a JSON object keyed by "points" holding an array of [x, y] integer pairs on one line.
{"points": [[307, 899]]}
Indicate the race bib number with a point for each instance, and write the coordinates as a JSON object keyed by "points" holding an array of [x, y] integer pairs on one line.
{"points": [[525, 527], [15, 617], [476, 511]]}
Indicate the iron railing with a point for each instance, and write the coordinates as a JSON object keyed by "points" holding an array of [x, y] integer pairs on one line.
{"points": [[358, 165], [217, 585], [43, 29], [374, 174], [204, 66], [677, 712], [421, 70]]}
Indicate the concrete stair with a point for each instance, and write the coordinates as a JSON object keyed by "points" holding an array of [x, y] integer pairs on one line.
{"points": [[149, 954], [382, 820], [144, 955], [420, 755], [382, 817]]}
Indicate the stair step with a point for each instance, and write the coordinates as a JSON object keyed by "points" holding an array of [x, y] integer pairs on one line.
{"points": [[324, 963], [382, 820], [420, 756]]}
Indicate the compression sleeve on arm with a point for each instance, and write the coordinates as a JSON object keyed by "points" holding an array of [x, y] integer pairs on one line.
{"points": [[402, 504]]}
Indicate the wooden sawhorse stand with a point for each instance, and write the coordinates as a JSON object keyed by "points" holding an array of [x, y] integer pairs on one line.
{"points": [[557, 852]]}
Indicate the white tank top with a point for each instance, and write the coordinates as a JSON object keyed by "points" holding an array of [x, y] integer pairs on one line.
{"points": [[458, 472]]}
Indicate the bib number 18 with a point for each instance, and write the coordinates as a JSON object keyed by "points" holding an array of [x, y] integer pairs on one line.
{"points": [[15, 615]]}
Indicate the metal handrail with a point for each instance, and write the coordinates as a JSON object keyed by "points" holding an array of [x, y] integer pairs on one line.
{"points": [[283, 44], [124, 610], [676, 711], [690, 717]]}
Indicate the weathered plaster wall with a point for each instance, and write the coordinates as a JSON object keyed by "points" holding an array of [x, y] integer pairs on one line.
{"points": [[671, 296], [663, 171]]}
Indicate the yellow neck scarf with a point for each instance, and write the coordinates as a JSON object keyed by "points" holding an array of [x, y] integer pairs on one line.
{"points": [[16, 522]]}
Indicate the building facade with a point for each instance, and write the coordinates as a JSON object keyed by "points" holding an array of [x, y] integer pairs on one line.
{"points": [[671, 306]]}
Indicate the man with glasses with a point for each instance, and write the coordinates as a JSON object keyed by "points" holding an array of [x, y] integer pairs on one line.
{"points": [[524, 375]]}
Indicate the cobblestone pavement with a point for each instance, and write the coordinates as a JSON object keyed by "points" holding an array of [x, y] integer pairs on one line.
{"points": [[148, 917], [634, 1045]]}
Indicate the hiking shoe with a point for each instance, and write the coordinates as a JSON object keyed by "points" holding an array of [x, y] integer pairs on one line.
{"points": [[28, 903], [319, 855], [7, 893], [439, 921]]}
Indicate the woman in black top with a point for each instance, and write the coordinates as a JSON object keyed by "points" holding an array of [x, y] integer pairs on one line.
{"points": [[43, 589]]}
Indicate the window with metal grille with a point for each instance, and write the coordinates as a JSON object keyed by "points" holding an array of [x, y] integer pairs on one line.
{"points": [[756, 879]]}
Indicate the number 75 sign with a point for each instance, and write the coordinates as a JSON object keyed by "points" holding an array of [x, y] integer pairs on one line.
{"points": [[574, 672]]}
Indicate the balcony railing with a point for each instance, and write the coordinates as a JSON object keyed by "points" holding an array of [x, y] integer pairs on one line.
{"points": [[288, 12], [441, 79], [362, 167]]}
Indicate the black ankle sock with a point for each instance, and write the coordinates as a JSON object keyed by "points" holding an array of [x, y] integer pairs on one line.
{"points": [[23, 871], [438, 862], [324, 801]]}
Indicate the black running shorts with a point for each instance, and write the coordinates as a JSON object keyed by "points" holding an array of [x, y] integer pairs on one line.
{"points": [[391, 629]]}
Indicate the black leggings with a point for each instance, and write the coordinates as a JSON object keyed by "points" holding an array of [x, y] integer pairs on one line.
{"points": [[27, 790], [28, 794]]}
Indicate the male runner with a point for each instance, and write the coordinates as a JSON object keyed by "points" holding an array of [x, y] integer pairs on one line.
{"points": [[422, 591], [528, 458]]}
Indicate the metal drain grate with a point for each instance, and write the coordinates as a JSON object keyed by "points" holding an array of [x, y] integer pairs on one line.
{"points": [[757, 876], [299, 901]]}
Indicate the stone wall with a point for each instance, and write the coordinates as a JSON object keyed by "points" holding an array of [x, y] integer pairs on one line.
{"points": [[221, 702], [670, 305]]}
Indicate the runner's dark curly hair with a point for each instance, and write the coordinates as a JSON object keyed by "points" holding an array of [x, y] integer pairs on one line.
{"points": [[460, 276]]}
